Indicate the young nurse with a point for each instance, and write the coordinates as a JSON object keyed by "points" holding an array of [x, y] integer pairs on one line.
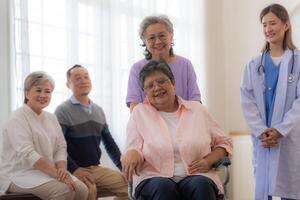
{"points": [[270, 92]]}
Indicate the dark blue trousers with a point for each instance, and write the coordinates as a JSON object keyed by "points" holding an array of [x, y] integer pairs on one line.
{"points": [[190, 188]]}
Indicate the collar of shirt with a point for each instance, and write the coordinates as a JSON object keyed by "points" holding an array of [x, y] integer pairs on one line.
{"points": [[88, 108], [182, 103], [29, 111]]}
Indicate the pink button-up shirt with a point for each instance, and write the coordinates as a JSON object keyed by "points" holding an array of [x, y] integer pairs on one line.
{"points": [[197, 135]]}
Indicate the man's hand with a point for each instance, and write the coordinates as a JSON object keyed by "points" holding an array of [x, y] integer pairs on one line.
{"points": [[62, 173], [84, 176], [69, 182], [131, 162]]}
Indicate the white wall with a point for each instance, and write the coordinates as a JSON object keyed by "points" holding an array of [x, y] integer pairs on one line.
{"points": [[214, 60]]}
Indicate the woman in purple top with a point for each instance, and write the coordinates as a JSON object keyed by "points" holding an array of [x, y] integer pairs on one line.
{"points": [[156, 32]]}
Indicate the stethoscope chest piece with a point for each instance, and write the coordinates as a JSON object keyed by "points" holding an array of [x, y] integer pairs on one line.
{"points": [[290, 78]]}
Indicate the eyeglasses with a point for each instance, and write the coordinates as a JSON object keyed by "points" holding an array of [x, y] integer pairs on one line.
{"points": [[161, 36], [160, 82]]}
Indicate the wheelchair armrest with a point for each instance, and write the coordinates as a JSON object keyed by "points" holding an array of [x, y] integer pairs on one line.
{"points": [[224, 161], [130, 191]]}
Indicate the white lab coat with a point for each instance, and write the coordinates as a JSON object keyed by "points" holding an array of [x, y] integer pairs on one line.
{"points": [[277, 169], [26, 138]]}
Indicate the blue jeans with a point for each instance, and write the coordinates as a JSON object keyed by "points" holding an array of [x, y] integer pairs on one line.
{"points": [[270, 198], [191, 187]]}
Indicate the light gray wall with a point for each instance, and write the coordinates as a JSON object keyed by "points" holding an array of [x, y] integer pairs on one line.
{"points": [[4, 62]]}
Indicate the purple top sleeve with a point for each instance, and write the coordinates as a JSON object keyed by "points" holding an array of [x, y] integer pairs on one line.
{"points": [[185, 78]]}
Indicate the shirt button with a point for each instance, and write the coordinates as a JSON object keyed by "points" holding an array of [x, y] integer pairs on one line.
{"points": [[269, 88]]}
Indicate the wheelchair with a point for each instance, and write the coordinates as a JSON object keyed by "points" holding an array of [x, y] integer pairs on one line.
{"points": [[221, 165]]}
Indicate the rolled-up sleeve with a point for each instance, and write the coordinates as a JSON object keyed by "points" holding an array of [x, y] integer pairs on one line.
{"points": [[134, 92], [134, 139], [60, 146], [192, 86], [20, 137], [218, 137]]}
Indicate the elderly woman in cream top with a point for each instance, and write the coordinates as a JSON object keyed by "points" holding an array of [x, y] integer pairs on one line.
{"points": [[33, 158]]}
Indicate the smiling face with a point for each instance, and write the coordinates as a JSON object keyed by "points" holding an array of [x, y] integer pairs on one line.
{"points": [[160, 91], [79, 82], [158, 41], [39, 96], [274, 29]]}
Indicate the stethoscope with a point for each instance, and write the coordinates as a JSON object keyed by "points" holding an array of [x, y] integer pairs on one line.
{"points": [[261, 66]]}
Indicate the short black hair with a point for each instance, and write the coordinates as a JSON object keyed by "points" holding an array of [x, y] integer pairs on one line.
{"points": [[153, 66], [69, 70]]}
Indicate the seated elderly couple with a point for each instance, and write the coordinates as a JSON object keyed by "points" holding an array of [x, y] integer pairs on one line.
{"points": [[171, 143]]}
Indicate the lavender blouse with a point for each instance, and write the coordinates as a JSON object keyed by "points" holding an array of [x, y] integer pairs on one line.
{"points": [[185, 77]]}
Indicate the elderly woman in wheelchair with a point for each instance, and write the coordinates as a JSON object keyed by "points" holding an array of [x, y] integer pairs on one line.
{"points": [[172, 144]]}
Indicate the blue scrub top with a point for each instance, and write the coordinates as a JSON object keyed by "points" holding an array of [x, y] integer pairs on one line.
{"points": [[271, 79]]}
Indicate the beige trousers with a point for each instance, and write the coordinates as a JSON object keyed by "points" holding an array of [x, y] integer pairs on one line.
{"points": [[108, 182], [54, 190]]}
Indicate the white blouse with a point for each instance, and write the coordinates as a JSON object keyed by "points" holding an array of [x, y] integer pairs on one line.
{"points": [[27, 137], [172, 121]]}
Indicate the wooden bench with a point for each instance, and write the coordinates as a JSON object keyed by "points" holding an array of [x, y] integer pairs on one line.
{"points": [[18, 197]]}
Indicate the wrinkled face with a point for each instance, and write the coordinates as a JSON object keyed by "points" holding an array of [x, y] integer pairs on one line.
{"points": [[159, 90], [274, 29], [158, 40], [39, 96], [80, 82]]}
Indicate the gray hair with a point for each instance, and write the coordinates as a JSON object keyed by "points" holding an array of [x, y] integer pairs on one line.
{"points": [[153, 66], [36, 78], [147, 21], [160, 19]]}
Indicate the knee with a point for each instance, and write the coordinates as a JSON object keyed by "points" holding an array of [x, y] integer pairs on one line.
{"points": [[121, 180], [92, 191], [201, 188], [164, 184], [82, 191], [203, 184], [158, 188], [62, 192], [123, 186]]}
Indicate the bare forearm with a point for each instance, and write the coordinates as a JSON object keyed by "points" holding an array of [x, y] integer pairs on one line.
{"points": [[61, 164], [215, 155], [45, 167]]}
